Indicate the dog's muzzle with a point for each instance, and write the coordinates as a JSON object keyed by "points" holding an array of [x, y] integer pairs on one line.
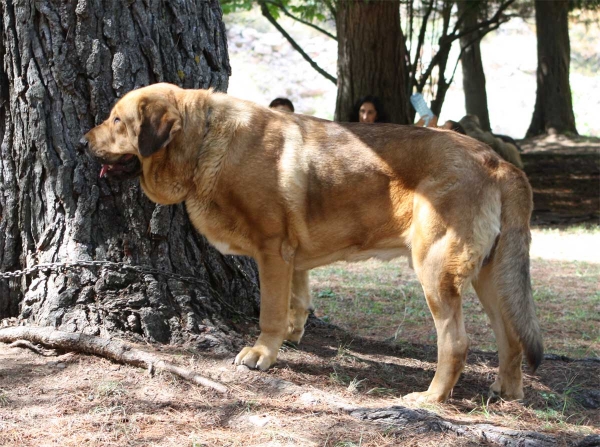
{"points": [[124, 167]]}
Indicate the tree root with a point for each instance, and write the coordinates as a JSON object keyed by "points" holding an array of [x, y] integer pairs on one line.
{"points": [[399, 417], [34, 348], [115, 350], [418, 420], [425, 421]]}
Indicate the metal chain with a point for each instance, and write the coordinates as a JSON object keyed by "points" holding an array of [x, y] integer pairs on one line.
{"points": [[54, 266]]}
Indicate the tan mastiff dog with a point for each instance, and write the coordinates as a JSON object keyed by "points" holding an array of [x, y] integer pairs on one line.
{"points": [[296, 192]]}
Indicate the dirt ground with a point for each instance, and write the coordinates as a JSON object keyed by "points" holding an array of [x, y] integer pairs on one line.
{"points": [[308, 397]]}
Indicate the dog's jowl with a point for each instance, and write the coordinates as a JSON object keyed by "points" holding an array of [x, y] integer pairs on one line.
{"points": [[296, 192]]}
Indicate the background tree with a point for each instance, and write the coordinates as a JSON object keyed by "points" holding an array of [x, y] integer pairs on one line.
{"points": [[472, 64], [306, 14], [439, 26], [553, 102], [64, 63], [371, 58], [428, 31]]}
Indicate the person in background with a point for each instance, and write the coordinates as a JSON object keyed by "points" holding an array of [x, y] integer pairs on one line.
{"points": [[282, 104], [505, 149], [453, 125], [450, 125], [368, 109]]}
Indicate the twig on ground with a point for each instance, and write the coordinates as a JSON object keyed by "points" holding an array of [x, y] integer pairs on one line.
{"points": [[34, 348], [108, 348]]}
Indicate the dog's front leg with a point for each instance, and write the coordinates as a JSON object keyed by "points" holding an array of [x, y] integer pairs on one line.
{"points": [[300, 305], [275, 286]]}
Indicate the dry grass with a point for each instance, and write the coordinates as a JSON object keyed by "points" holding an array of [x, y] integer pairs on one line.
{"points": [[385, 300], [81, 400], [78, 400], [387, 351], [92, 402]]}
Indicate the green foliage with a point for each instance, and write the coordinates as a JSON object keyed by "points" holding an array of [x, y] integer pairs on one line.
{"points": [[584, 4], [230, 6], [309, 10]]}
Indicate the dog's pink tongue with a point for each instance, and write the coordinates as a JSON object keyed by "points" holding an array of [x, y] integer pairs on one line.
{"points": [[103, 171]]}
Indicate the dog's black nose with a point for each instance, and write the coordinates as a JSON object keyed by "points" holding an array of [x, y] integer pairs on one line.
{"points": [[83, 145]]}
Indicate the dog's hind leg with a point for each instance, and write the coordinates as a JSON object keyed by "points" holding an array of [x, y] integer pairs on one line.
{"points": [[300, 306], [440, 265], [509, 383], [275, 289], [504, 287]]}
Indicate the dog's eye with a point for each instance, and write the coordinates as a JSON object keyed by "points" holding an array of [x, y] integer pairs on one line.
{"points": [[117, 120]]}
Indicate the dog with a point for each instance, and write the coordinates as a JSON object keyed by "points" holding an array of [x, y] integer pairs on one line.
{"points": [[503, 145], [296, 192]]}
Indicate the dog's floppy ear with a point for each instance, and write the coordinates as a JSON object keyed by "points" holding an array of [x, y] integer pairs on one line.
{"points": [[159, 122]]}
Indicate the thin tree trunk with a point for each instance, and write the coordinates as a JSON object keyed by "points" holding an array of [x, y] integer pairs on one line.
{"points": [[64, 63], [367, 63], [472, 65], [553, 102], [442, 84]]}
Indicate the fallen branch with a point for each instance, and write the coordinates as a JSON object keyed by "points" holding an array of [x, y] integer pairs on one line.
{"points": [[34, 348], [419, 420], [402, 417], [115, 350]]}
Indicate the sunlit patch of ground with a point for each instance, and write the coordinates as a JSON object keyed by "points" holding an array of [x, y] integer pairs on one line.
{"points": [[581, 245]]}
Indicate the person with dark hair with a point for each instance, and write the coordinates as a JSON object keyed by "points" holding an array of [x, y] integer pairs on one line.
{"points": [[450, 125], [453, 125], [368, 109], [282, 104]]}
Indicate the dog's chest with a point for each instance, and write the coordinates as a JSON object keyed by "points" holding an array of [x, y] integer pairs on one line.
{"points": [[213, 226]]}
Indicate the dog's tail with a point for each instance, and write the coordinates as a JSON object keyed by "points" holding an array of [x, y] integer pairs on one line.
{"points": [[511, 259]]}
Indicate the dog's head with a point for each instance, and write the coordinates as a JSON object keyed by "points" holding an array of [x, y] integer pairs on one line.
{"points": [[140, 124]]}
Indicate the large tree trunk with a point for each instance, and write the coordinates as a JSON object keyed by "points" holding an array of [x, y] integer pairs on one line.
{"points": [[367, 63], [64, 63], [553, 103], [472, 65]]}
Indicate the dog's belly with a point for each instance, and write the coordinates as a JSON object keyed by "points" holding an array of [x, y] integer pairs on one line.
{"points": [[225, 248], [384, 254], [349, 254]]}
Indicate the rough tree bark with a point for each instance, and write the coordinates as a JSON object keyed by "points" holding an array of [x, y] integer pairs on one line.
{"points": [[472, 65], [64, 63], [367, 63], [553, 102]]}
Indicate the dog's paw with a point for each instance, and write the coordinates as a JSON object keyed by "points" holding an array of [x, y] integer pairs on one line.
{"points": [[494, 393], [493, 396], [256, 357], [425, 397], [294, 335], [498, 390]]}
